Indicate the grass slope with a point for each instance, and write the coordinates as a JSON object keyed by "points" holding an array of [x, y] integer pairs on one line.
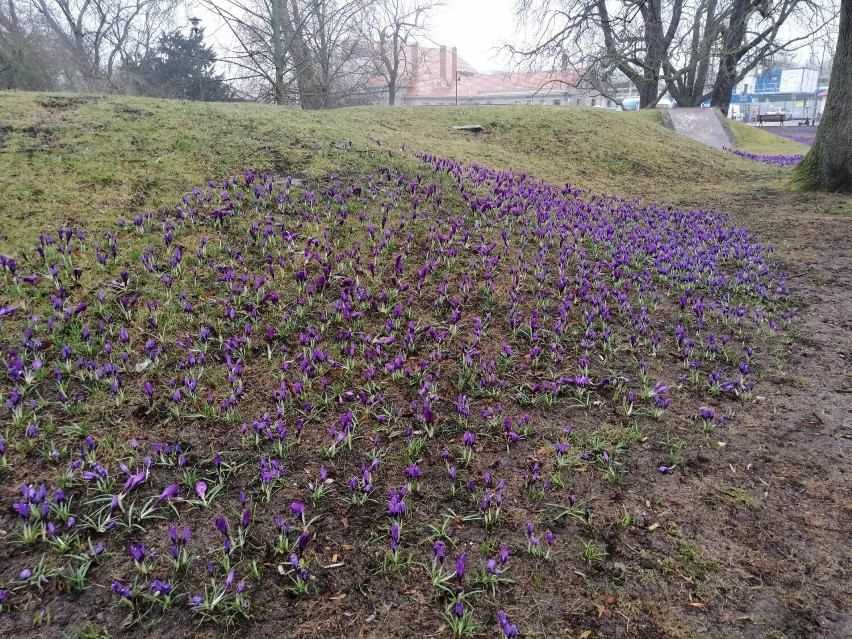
{"points": [[755, 140], [94, 158]]}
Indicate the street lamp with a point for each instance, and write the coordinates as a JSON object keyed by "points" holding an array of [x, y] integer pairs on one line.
{"points": [[458, 79]]}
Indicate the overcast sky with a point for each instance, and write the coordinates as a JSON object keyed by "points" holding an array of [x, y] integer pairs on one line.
{"points": [[477, 28]]}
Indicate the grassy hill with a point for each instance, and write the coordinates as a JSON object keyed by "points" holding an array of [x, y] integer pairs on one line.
{"points": [[94, 158]]}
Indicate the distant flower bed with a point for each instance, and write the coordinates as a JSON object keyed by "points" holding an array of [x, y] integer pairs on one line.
{"points": [[800, 134], [780, 160], [801, 140]]}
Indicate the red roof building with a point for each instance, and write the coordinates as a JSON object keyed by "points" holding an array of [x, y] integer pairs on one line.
{"points": [[429, 74]]}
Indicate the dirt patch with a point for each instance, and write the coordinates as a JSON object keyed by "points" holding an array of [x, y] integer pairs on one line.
{"points": [[773, 506], [131, 113], [5, 129], [65, 102]]}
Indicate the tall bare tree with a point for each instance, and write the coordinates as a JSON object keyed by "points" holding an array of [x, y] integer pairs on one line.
{"points": [[604, 39], [669, 45], [828, 165], [390, 26], [97, 35], [24, 46], [757, 30], [303, 52]]}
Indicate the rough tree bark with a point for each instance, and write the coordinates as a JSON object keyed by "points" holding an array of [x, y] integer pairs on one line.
{"points": [[732, 42], [828, 165]]}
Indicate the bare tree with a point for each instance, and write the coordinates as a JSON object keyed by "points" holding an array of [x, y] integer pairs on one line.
{"points": [[669, 45], [630, 38], [23, 48], [96, 35], [755, 32], [828, 165], [390, 26], [303, 52]]}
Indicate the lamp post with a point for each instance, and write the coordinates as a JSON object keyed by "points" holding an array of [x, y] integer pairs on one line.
{"points": [[819, 77], [458, 79]]}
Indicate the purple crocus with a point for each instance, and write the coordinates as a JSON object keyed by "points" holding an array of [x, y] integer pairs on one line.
{"points": [[394, 536], [509, 629], [170, 492], [460, 566], [438, 548]]}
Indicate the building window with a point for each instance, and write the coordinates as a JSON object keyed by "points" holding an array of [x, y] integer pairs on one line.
{"points": [[557, 102], [594, 102]]}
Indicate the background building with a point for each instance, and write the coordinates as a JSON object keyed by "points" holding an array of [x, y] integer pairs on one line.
{"points": [[438, 76]]}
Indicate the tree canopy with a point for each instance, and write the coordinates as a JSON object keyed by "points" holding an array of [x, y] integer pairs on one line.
{"points": [[180, 67]]}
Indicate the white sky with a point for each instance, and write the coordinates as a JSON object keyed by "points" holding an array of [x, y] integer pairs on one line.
{"points": [[477, 28]]}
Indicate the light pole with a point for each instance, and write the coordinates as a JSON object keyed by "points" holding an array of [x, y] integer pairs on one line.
{"points": [[458, 79], [819, 77]]}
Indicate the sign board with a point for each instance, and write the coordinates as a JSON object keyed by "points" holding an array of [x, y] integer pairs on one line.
{"points": [[798, 81], [768, 81]]}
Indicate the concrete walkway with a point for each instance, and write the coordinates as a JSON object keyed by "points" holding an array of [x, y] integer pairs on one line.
{"points": [[700, 124]]}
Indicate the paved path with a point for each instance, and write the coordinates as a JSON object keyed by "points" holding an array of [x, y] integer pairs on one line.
{"points": [[700, 124]]}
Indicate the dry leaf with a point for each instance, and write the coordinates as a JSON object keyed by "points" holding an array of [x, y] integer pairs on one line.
{"points": [[653, 526], [697, 604], [585, 634], [342, 595]]}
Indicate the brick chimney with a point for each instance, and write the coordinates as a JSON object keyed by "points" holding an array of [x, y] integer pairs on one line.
{"points": [[415, 63], [455, 65], [442, 57]]}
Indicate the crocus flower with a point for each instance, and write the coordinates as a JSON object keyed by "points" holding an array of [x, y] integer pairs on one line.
{"points": [[504, 554], [509, 629], [460, 566], [169, 492], [438, 547]]}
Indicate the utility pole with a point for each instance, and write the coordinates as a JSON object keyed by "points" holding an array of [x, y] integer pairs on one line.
{"points": [[194, 31], [816, 92]]}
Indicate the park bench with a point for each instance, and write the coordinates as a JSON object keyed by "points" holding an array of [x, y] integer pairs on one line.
{"points": [[771, 117]]}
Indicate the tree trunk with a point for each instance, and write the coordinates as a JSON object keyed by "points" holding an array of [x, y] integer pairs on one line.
{"points": [[828, 165], [300, 56], [278, 50], [392, 89], [648, 93], [730, 55]]}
